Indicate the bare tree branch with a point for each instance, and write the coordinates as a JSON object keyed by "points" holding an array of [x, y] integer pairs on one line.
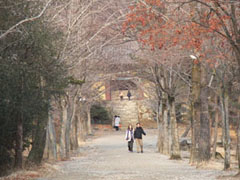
{"points": [[26, 20]]}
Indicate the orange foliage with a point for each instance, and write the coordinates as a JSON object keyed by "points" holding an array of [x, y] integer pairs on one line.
{"points": [[155, 30]]}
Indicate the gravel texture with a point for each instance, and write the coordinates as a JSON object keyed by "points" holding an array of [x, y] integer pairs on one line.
{"points": [[107, 158]]}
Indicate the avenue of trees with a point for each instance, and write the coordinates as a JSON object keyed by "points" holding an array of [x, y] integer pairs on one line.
{"points": [[53, 54], [194, 54]]}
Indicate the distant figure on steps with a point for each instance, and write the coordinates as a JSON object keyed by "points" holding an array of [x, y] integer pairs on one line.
{"points": [[121, 95], [129, 95], [130, 137]]}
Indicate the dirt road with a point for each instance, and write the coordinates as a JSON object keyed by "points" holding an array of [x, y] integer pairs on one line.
{"points": [[108, 159]]}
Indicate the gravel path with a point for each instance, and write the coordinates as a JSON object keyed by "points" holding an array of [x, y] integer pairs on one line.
{"points": [[108, 159]]}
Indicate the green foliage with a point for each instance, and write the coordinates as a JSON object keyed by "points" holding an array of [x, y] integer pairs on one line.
{"points": [[100, 115], [74, 81], [30, 74]]}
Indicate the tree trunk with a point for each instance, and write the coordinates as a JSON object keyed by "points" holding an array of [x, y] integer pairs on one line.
{"points": [[19, 144], [225, 120], [89, 125], [193, 152], [215, 134], [238, 142], [67, 140], [204, 152], [36, 154], [238, 137], [67, 132], [52, 146], [74, 130], [195, 111], [160, 142], [82, 130], [175, 148], [165, 129], [63, 129], [83, 125], [238, 125], [71, 111]]}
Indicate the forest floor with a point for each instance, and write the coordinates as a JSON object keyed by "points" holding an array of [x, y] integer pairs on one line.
{"points": [[105, 157]]}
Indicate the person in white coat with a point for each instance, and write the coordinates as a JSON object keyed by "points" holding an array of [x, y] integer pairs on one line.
{"points": [[130, 137], [117, 123]]}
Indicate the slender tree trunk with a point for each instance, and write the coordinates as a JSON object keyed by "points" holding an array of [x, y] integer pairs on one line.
{"points": [[236, 157], [18, 164], [73, 133], [160, 127], [238, 128], [204, 152], [89, 124], [63, 129], [215, 134], [19, 143], [193, 146], [81, 132], [225, 120], [67, 141], [195, 111], [175, 148], [83, 125], [76, 124], [36, 154], [223, 130], [169, 129], [165, 129], [204, 141], [52, 145], [70, 117], [238, 146], [238, 142], [67, 132], [238, 138]]}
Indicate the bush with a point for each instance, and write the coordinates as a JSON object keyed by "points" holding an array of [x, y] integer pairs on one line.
{"points": [[100, 115]]}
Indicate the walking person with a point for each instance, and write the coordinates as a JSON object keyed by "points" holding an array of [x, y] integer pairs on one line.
{"points": [[117, 123], [138, 137], [113, 123], [129, 95], [121, 95], [130, 137]]}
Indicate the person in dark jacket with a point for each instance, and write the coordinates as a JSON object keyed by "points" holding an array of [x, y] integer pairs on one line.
{"points": [[129, 95], [138, 137]]}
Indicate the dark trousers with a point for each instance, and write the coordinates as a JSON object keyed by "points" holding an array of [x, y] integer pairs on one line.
{"points": [[130, 145]]}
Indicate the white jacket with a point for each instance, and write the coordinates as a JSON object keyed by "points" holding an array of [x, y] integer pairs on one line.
{"points": [[129, 135], [117, 121]]}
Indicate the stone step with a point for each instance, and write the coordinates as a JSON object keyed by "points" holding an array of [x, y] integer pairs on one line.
{"points": [[127, 110]]}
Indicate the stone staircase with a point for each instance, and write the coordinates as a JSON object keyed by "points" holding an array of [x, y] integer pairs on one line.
{"points": [[127, 110]]}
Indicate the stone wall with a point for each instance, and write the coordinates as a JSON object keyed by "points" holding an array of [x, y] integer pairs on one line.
{"points": [[146, 114], [132, 111]]}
